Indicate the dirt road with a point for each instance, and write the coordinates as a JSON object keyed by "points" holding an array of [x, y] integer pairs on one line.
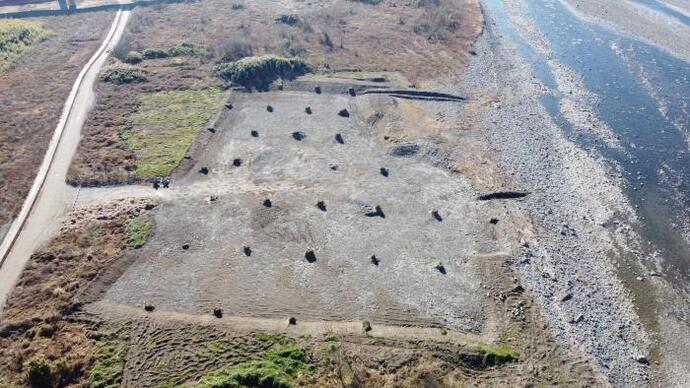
{"points": [[50, 197]]}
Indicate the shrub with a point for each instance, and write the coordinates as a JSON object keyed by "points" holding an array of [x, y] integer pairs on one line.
{"points": [[38, 374], [17, 38], [290, 20], [497, 355], [123, 75], [151, 53], [183, 49], [133, 57], [260, 71], [440, 17]]}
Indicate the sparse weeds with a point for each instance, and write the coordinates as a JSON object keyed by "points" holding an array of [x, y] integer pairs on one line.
{"points": [[138, 231], [107, 369]]}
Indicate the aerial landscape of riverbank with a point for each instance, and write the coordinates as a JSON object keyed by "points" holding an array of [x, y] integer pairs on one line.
{"points": [[363, 193]]}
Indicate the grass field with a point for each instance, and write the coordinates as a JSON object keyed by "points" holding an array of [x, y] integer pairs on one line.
{"points": [[17, 39], [165, 127]]}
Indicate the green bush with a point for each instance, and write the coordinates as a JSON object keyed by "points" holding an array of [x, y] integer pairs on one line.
{"points": [[184, 49], [290, 20], [38, 374], [17, 38], [497, 355], [133, 57], [260, 71], [123, 75]]}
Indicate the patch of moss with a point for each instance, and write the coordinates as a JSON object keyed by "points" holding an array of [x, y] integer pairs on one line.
{"points": [[279, 368], [109, 364], [123, 75], [497, 355], [17, 39], [260, 71], [138, 232], [165, 126]]}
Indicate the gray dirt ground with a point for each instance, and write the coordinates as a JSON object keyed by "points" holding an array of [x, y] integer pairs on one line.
{"points": [[343, 284]]}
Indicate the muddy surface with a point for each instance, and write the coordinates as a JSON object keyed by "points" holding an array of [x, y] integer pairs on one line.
{"points": [[364, 214]]}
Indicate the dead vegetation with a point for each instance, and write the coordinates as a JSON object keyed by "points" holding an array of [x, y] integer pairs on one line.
{"points": [[32, 94], [39, 339]]}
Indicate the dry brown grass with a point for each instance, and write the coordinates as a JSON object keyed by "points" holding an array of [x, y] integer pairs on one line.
{"points": [[31, 98], [37, 318]]}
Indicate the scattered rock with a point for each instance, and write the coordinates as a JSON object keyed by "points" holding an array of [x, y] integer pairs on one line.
{"points": [[247, 251], [378, 212], [299, 136], [292, 321], [568, 296], [203, 170], [156, 185], [213, 198], [269, 108], [436, 216], [185, 246], [317, 89], [642, 359], [578, 319], [237, 162], [255, 133], [366, 326], [351, 91], [211, 129], [149, 206], [321, 205], [334, 167], [149, 307], [310, 256], [344, 113], [229, 106], [267, 203], [339, 138], [494, 221], [375, 260], [440, 268], [384, 171], [218, 312], [307, 110]]}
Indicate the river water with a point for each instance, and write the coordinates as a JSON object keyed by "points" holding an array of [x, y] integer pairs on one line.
{"points": [[642, 94]]}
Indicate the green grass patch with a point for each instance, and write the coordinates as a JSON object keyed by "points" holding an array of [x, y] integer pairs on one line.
{"points": [[278, 368], [260, 71], [123, 75], [17, 39], [497, 355], [165, 126], [95, 235], [138, 232], [274, 338], [109, 364]]}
